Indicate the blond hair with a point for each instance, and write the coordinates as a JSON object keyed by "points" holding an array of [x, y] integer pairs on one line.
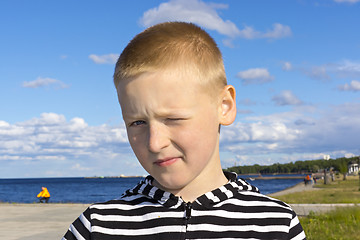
{"points": [[179, 45]]}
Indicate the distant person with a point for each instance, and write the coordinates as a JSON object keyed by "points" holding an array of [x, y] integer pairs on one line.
{"points": [[307, 179], [44, 195], [174, 97], [332, 175]]}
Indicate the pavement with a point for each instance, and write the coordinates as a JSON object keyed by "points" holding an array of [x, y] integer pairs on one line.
{"points": [[37, 221], [305, 209]]}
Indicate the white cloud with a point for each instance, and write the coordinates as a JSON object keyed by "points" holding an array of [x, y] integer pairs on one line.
{"points": [[278, 31], [194, 11], [286, 97], [228, 43], [4, 124], [327, 71], [318, 72], [46, 119], [206, 15], [42, 82], [345, 68], [353, 86], [249, 33], [255, 76], [337, 128], [104, 59], [79, 167], [52, 137], [287, 66], [253, 132], [277, 138]]}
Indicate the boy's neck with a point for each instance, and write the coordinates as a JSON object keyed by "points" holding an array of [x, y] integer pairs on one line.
{"points": [[198, 186]]}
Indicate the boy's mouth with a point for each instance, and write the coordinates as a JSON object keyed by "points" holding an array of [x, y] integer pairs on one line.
{"points": [[166, 161]]}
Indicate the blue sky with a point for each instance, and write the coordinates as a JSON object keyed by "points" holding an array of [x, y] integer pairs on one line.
{"points": [[295, 65]]}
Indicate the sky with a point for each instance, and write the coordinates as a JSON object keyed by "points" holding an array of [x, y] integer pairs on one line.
{"points": [[295, 66]]}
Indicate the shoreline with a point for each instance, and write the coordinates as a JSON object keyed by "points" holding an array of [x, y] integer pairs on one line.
{"points": [[278, 177], [51, 220], [299, 187]]}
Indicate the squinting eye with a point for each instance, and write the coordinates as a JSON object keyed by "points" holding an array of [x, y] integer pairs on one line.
{"points": [[137, 123], [174, 120], [177, 119]]}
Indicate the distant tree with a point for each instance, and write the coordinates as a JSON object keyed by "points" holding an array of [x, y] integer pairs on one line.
{"points": [[343, 168], [315, 168], [339, 165]]}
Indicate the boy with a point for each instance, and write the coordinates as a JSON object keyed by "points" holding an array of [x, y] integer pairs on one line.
{"points": [[173, 95]]}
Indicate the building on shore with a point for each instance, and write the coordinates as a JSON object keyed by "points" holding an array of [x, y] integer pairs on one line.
{"points": [[353, 168]]}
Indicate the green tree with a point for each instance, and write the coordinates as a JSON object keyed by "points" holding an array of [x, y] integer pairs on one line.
{"points": [[343, 168]]}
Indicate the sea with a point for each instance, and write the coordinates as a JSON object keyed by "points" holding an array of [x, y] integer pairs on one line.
{"points": [[92, 190]]}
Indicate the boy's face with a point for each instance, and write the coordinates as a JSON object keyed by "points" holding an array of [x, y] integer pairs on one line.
{"points": [[173, 128]]}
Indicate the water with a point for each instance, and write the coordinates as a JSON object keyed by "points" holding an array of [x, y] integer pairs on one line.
{"points": [[90, 190], [274, 185], [65, 190]]}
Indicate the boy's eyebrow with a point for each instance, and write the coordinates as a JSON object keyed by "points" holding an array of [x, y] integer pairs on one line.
{"points": [[132, 116], [172, 112], [161, 114]]}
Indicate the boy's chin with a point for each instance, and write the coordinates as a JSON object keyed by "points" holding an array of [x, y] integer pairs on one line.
{"points": [[171, 185]]}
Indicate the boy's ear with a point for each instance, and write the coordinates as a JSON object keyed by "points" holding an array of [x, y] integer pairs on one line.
{"points": [[227, 108]]}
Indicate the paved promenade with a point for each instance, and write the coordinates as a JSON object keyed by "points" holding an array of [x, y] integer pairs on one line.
{"points": [[305, 209], [37, 221]]}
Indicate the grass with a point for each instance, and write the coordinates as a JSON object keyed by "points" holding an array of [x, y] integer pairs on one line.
{"points": [[340, 224], [338, 191]]}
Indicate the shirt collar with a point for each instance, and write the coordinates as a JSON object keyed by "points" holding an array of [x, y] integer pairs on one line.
{"points": [[209, 199]]}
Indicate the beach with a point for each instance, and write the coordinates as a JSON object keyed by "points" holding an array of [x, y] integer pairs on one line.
{"points": [[51, 221], [37, 221], [300, 187]]}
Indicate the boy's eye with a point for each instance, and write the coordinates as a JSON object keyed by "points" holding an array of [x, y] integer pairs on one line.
{"points": [[137, 123], [174, 119]]}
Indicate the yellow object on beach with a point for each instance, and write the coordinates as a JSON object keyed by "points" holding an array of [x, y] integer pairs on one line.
{"points": [[44, 193]]}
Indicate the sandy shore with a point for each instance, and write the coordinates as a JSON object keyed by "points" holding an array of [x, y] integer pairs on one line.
{"points": [[37, 221], [51, 221], [300, 187]]}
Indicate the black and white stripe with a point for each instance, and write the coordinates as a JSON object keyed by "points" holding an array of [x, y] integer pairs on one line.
{"points": [[234, 211]]}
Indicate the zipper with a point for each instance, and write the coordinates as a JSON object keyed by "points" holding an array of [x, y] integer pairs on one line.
{"points": [[187, 215], [188, 208]]}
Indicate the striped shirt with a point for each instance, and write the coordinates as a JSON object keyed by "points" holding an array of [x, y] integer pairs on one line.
{"points": [[234, 211]]}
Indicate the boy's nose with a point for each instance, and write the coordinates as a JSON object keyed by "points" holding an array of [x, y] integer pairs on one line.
{"points": [[158, 137]]}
